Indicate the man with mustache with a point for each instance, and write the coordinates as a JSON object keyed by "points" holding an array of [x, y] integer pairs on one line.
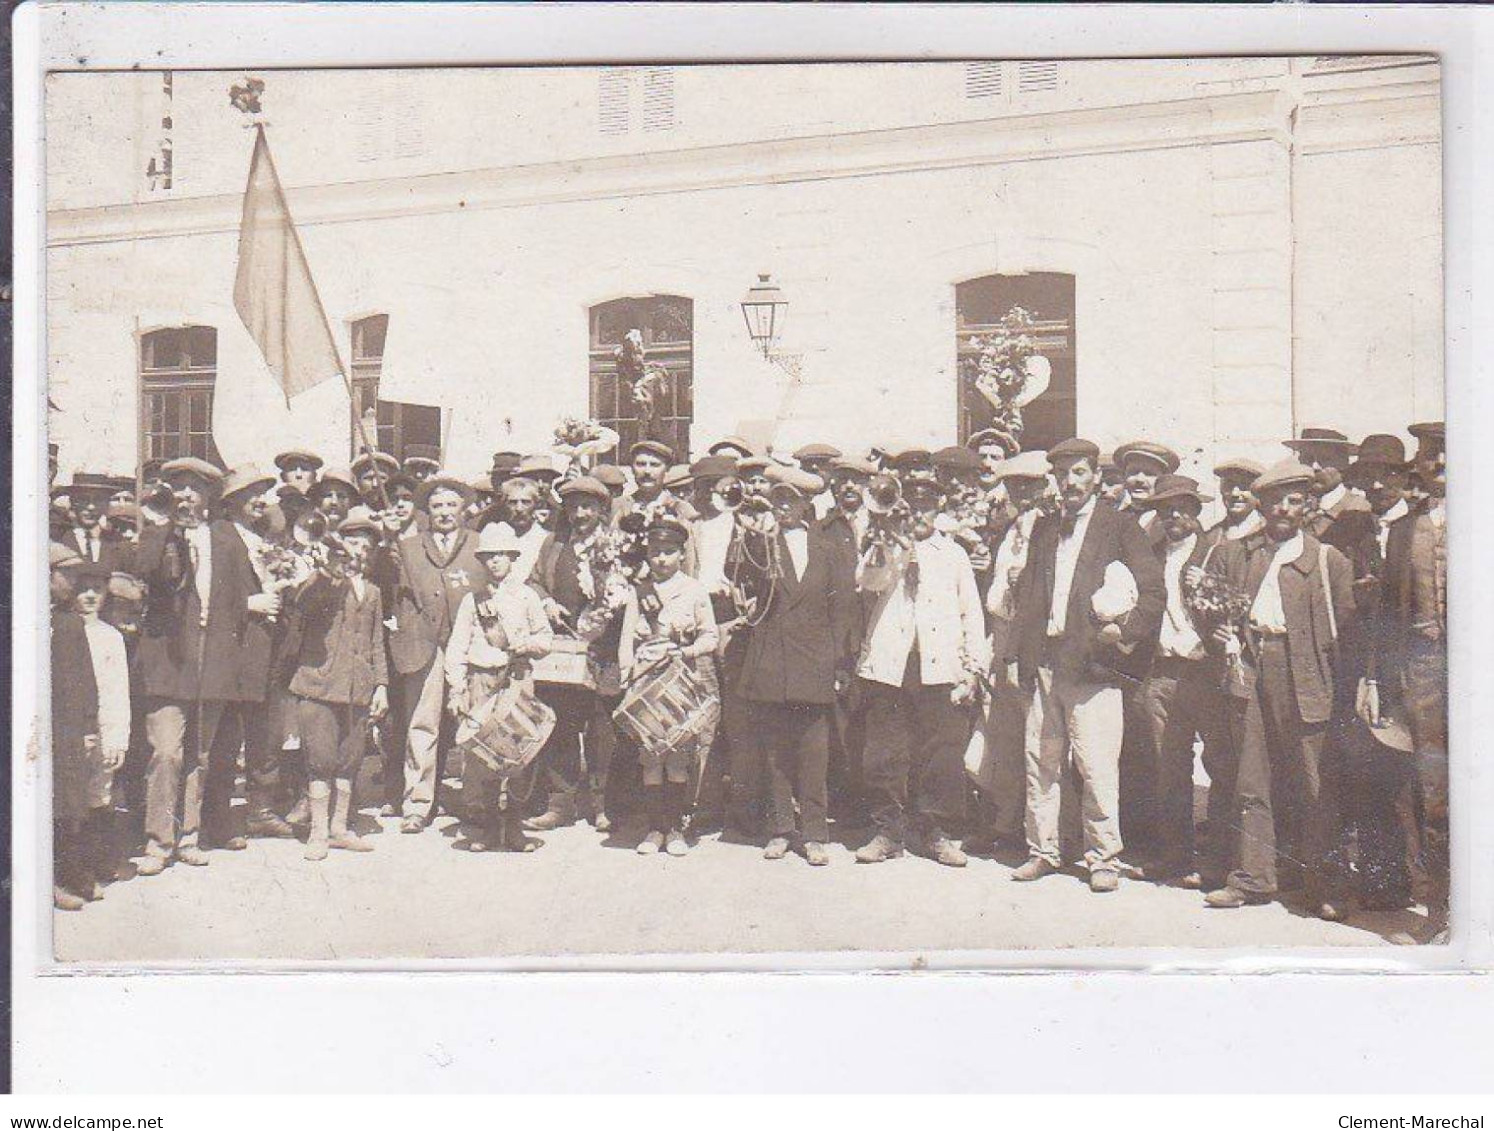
{"points": [[1073, 667], [1327, 452], [1301, 607]]}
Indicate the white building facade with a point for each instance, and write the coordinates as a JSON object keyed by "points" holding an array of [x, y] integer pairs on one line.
{"points": [[1218, 251]]}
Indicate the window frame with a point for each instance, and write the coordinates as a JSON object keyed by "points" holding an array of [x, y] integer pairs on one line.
{"points": [[399, 423], [187, 387], [677, 355]]}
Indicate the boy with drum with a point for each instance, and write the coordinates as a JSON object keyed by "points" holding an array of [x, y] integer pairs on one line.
{"points": [[668, 615]]}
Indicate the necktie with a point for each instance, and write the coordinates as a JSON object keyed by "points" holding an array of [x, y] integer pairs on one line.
{"points": [[1067, 523]]}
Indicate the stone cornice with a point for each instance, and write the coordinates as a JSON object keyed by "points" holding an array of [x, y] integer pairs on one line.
{"points": [[1225, 117]]}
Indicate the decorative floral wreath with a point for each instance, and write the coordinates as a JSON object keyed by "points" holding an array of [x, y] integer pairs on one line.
{"points": [[1006, 369]]}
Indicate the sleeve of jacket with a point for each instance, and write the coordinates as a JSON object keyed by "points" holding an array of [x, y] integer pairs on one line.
{"points": [[972, 617], [1341, 586], [380, 653], [1140, 557], [845, 606], [460, 641]]}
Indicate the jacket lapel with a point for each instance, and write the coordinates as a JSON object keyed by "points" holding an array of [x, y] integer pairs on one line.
{"points": [[793, 586], [1087, 564]]}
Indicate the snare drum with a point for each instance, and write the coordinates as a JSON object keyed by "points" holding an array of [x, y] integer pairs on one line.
{"points": [[512, 729], [668, 705]]}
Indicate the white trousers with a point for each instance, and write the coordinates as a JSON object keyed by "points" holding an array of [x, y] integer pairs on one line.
{"points": [[1079, 722]]}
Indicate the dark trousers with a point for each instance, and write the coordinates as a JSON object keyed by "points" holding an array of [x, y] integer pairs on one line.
{"points": [[796, 750], [1140, 790], [404, 692], [1377, 784], [334, 736], [847, 750], [1182, 700], [1288, 816], [560, 761], [914, 763], [251, 725]]}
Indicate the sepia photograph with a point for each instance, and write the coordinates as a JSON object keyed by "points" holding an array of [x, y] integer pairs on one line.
{"points": [[706, 510]]}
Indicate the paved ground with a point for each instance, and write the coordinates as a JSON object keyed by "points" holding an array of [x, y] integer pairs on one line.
{"points": [[425, 896]]}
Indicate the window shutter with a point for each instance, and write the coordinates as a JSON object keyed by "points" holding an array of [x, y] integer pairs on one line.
{"points": [[983, 78], [613, 84], [658, 98], [1037, 74]]}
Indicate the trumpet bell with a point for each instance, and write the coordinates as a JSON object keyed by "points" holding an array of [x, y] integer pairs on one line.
{"points": [[883, 493]]}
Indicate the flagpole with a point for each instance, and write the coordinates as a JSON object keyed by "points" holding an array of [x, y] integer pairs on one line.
{"points": [[142, 426], [342, 369]]}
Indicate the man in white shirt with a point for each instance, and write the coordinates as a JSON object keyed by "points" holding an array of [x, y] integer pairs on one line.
{"points": [[1182, 699], [924, 650], [1241, 519], [111, 676], [1327, 452], [521, 501], [1300, 608], [1141, 462]]}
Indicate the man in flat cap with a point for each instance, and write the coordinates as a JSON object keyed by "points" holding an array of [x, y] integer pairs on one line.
{"points": [[1140, 463], [1301, 606], [732, 446], [298, 469], [1415, 595], [580, 598], [1074, 665], [992, 447], [924, 649], [799, 656], [1182, 700], [371, 471], [421, 461], [1241, 518], [202, 594], [439, 568], [649, 461], [816, 459]]}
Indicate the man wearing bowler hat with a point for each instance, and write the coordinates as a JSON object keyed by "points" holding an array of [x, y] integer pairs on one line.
{"points": [[437, 569], [89, 534], [1288, 655], [1073, 664]]}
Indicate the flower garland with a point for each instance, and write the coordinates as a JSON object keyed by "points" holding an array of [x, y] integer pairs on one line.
{"points": [[1006, 369]]}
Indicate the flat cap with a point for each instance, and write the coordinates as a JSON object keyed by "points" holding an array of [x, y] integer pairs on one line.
{"points": [[754, 465], [585, 486], [679, 475], [1024, 465], [795, 479], [1283, 475], [360, 520], [1159, 454], [986, 436], [907, 459], [731, 444], [332, 477], [422, 453], [126, 587], [1066, 451], [713, 467], [60, 556], [190, 467], [852, 465], [1238, 467], [382, 460], [817, 451], [1430, 432], [668, 529], [651, 447], [610, 476], [298, 455], [956, 458]]}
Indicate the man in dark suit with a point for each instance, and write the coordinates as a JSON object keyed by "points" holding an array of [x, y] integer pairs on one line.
{"points": [[436, 570], [89, 535], [1073, 662], [798, 656], [201, 594], [1327, 452], [1300, 608]]}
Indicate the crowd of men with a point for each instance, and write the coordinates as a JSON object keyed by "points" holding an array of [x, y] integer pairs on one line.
{"points": [[970, 650]]}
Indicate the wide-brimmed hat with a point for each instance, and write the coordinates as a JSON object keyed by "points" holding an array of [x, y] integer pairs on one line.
{"points": [[1286, 474], [817, 452], [436, 483], [1238, 467], [298, 455], [1066, 451], [585, 486], [498, 538], [1158, 454], [1024, 465], [652, 447], [754, 465], [910, 459], [94, 483], [1320, 438], [1377, 453], [794, 480], [1170, 488], [190, 467], [986, 436], [247, 477], [538, 465], [360, 520]]}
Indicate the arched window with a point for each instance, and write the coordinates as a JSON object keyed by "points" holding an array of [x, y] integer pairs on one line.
{"points": [[397, 424], [667, 326], [178, 367], [980, 304]]}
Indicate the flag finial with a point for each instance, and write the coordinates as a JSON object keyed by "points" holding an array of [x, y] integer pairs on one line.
{"points": [[245, 96]]}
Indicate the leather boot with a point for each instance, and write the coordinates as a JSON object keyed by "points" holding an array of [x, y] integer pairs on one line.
{"points": [[319, 805], [341, 836]]}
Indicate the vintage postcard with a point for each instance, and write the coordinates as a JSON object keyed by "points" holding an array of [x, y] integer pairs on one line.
{"points": [[705, 510]]}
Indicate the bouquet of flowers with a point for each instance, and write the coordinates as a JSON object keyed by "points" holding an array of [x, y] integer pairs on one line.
{"points": [[581, 437], [285, 566], [632, 532], [1214, 602], [1006, 369]]}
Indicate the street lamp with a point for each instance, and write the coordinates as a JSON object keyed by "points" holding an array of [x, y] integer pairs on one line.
{"points": [[763, 309]]}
